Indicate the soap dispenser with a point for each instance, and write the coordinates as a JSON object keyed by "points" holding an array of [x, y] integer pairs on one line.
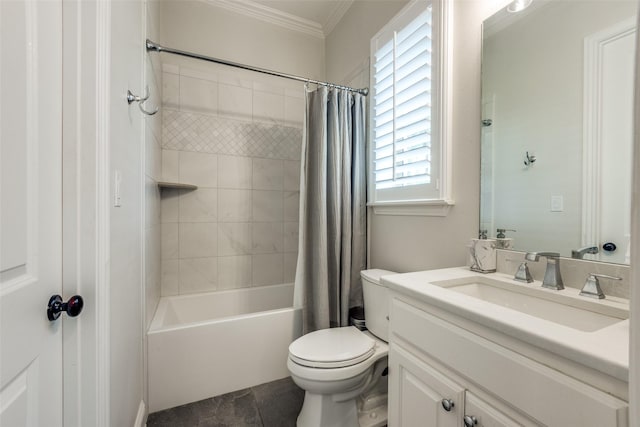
{"points": [[482, 254], [502, 241]]}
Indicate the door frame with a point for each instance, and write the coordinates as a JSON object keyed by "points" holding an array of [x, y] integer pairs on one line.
{"points": [[86, 219], [592, 133]]}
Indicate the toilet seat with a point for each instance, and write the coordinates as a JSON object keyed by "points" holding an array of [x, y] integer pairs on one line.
{"points": [[332, 348]]}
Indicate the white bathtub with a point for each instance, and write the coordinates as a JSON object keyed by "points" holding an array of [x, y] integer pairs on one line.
{"points": [[203, 345]]}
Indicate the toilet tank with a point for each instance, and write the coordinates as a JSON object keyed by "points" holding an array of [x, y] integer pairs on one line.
{"points": [[376, 302]]}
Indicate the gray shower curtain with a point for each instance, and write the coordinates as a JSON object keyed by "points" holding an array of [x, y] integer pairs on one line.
{"points": [[332, 248]]}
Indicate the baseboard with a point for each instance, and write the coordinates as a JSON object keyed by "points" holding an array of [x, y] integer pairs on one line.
{"points": [[141, 418]]}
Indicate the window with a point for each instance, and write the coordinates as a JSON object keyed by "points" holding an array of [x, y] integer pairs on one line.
{"points": [[408, 144]]}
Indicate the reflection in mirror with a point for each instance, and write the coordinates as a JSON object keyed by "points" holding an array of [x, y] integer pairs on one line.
{"points": [[557, 98]]}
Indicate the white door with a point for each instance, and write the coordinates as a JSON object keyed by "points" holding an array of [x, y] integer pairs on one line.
{"points": [[30, 211], [609, 82], [616, 150]]}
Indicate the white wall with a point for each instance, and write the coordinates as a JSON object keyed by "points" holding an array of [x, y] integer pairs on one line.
{"points": [[534, 74], [126, 275], [406, 243], [208, 30]]}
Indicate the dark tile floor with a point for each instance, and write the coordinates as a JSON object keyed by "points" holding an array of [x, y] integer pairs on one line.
{"points": [[274, 404]]}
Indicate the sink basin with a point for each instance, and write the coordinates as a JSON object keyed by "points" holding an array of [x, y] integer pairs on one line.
{"points": [[555, 306]]}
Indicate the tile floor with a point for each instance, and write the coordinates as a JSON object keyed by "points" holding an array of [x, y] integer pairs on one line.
{"points": [[274, 404]]}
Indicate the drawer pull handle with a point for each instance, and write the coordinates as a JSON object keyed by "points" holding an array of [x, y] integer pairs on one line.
{"points": [[448, 404], [470, 421]]}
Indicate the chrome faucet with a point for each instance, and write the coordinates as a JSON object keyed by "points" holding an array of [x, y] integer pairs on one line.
{"points": [[552, 278], [580, 253]]}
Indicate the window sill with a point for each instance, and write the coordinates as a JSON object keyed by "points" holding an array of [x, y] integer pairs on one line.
{"points": [[413, 208]]}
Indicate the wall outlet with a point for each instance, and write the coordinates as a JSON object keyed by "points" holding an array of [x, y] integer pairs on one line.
{"points": [[557, 203]]}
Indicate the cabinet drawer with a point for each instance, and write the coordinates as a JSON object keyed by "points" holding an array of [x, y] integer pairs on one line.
{"points": [[485, 414], [550, 397]]}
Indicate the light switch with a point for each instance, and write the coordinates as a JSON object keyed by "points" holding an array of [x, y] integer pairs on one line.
{"points": [[557, 203], [117, 184]]}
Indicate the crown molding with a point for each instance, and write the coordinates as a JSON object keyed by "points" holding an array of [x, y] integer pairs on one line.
{"points": [[272, 16], [336, 15]]}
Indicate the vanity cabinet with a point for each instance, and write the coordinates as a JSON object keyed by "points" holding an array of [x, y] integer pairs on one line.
{"points": [[433, 359]]}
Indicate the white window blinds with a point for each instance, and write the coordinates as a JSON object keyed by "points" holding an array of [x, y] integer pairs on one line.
{"points": [[403, 163]]}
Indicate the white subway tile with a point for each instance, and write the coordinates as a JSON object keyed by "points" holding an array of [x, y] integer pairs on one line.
{"points": [[234, 205], [291, 234], [209, 75], [235, 102], [268, 85], [170, 165], [234, 172], [199, 169], [267, 206], [170, 90], [291, 180], [170, 68], [234, 238], [198, 275], [290, 261], [234, 272], [170, 205], [198, 240], [170, 277], [267, 174], [268, 107], [293, 111], [200, 205], [169, 241], [267, 237], [267, 269], [198, 95], [291, 205]]}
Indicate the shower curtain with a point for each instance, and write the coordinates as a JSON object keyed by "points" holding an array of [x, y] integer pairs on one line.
{"points": [[332, 241]]}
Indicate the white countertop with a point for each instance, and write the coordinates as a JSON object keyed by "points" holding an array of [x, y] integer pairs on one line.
{"points": [[606, 350]]}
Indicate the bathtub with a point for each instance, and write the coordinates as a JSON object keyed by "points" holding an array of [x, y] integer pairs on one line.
{"points": [[203, 345]]}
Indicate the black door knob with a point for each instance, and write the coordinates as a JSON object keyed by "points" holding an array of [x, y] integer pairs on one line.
{"points": [[56, 306]]}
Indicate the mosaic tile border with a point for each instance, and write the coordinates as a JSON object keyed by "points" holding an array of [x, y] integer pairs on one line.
{"points": [[186, 131]]}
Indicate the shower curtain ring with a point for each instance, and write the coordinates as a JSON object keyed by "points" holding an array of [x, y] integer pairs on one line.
{"points": [[141, 100]]}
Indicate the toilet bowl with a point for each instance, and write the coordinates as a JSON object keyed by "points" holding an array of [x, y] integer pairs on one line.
{"points": [[341, 369]]}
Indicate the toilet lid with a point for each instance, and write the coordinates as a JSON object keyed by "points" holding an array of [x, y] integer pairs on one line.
{"points": [[332, 348]]}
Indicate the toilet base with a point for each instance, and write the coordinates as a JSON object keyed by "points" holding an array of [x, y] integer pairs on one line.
{"points": [[375, 417], [320, 410]]}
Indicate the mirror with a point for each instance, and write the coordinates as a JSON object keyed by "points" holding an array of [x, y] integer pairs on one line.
{"points": [[557, 105]]}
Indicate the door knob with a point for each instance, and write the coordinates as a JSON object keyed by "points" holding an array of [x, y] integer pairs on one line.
{"points": [[56, 306]]}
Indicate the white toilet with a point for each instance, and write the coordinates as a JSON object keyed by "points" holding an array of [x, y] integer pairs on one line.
{"points": [[341, 369]]}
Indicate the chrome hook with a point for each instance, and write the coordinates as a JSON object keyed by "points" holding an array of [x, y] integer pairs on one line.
{"points": [[141, 100]]}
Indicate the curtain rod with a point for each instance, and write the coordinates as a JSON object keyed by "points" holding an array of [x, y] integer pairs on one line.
{"points": [[152, 46]]}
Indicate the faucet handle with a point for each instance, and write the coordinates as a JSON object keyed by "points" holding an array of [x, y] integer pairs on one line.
{"points": [[592, 287], [523, 274]]}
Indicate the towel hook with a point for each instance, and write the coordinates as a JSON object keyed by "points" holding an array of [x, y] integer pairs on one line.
{"points": [[135, 98]]}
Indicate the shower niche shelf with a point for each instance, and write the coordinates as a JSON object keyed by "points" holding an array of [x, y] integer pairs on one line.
{"points": [[176, 185]]}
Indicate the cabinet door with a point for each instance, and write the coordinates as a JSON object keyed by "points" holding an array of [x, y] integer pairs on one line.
{"points": [[487, 415], [417, 391]]}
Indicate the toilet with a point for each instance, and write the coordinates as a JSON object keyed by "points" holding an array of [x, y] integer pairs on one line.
{"points": [[343, 370]]}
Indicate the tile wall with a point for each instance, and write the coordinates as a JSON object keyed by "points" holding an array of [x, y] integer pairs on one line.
{"points": [[237, 137]]}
